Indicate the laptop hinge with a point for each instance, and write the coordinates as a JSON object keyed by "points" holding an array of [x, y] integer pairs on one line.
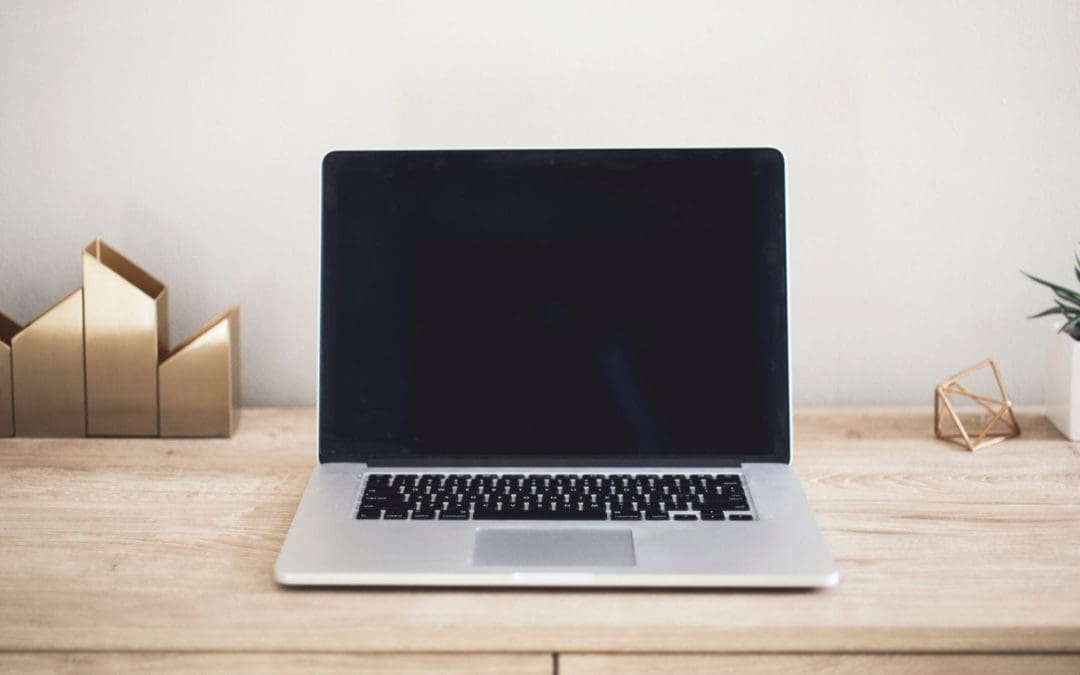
{"points": [[609, 468]]}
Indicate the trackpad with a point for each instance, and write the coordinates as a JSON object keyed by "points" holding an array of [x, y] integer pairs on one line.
{"points": [[519, 547]]}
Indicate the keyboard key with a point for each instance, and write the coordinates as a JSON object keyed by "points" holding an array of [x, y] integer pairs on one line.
{"points": [[453, 515], [740, 516], [423, 515], [710, 514], [368, 514], [537, 514], [685, 516], [378, 499], [395, 514]]}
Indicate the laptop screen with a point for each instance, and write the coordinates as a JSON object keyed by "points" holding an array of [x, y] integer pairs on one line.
{"points": [[554, 307]]}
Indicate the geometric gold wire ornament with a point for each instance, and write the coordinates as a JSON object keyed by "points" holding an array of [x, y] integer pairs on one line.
{"points": [[997, 412]]}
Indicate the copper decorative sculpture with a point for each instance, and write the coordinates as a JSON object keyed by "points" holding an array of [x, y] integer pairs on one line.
{"points": [[199, 382], [127, 333], [47, 369], [8, 329], [1000, 422]]}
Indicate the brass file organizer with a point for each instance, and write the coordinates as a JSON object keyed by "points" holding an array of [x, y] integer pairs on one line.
{"points": [[97, 363], [199, 382], [127, 333], [8, 329], [47, 364]]}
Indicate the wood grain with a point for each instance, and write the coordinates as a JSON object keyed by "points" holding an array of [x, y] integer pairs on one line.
{"points": [[168, 545], [808, 664], [269, 663]]}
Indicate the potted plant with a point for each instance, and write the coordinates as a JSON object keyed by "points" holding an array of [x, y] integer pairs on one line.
{"points": [[1061, 384]]}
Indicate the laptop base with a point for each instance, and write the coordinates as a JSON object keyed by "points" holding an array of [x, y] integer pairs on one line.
{"points": [[328, 546]]}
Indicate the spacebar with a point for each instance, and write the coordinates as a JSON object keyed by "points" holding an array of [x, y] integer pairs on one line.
{"points": [[516, 514]]}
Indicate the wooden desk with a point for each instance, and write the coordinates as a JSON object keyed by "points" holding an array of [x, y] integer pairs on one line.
{"points": [[156, 556]]}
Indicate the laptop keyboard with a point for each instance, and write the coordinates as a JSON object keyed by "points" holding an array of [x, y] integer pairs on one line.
{"points": [[677, 497]]}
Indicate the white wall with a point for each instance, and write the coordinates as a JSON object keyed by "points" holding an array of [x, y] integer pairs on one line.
{"points": [[933, 150]]}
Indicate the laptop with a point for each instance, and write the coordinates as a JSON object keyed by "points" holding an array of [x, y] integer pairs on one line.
{"points": [[554, 368]]}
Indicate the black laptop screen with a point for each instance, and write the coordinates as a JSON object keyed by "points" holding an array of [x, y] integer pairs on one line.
{"points": [[553, 307]]}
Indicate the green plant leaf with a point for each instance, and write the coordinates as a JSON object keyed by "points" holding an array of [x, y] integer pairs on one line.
{"points": [[1069, 325], [1068, 310], [1061, 291], [1076, 269], [1048, 312], [1067, 298]]}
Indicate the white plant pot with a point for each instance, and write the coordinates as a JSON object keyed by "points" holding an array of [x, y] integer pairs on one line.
{"points": [[1061, 383]]}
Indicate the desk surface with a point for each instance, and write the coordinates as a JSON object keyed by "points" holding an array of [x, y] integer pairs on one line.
{"points": [[154, 546]]}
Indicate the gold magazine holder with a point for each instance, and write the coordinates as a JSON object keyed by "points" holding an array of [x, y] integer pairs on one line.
{"points": [[98, 364]]}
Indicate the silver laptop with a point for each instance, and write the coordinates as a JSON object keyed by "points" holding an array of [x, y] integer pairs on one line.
{"points": [[554, 368]]}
